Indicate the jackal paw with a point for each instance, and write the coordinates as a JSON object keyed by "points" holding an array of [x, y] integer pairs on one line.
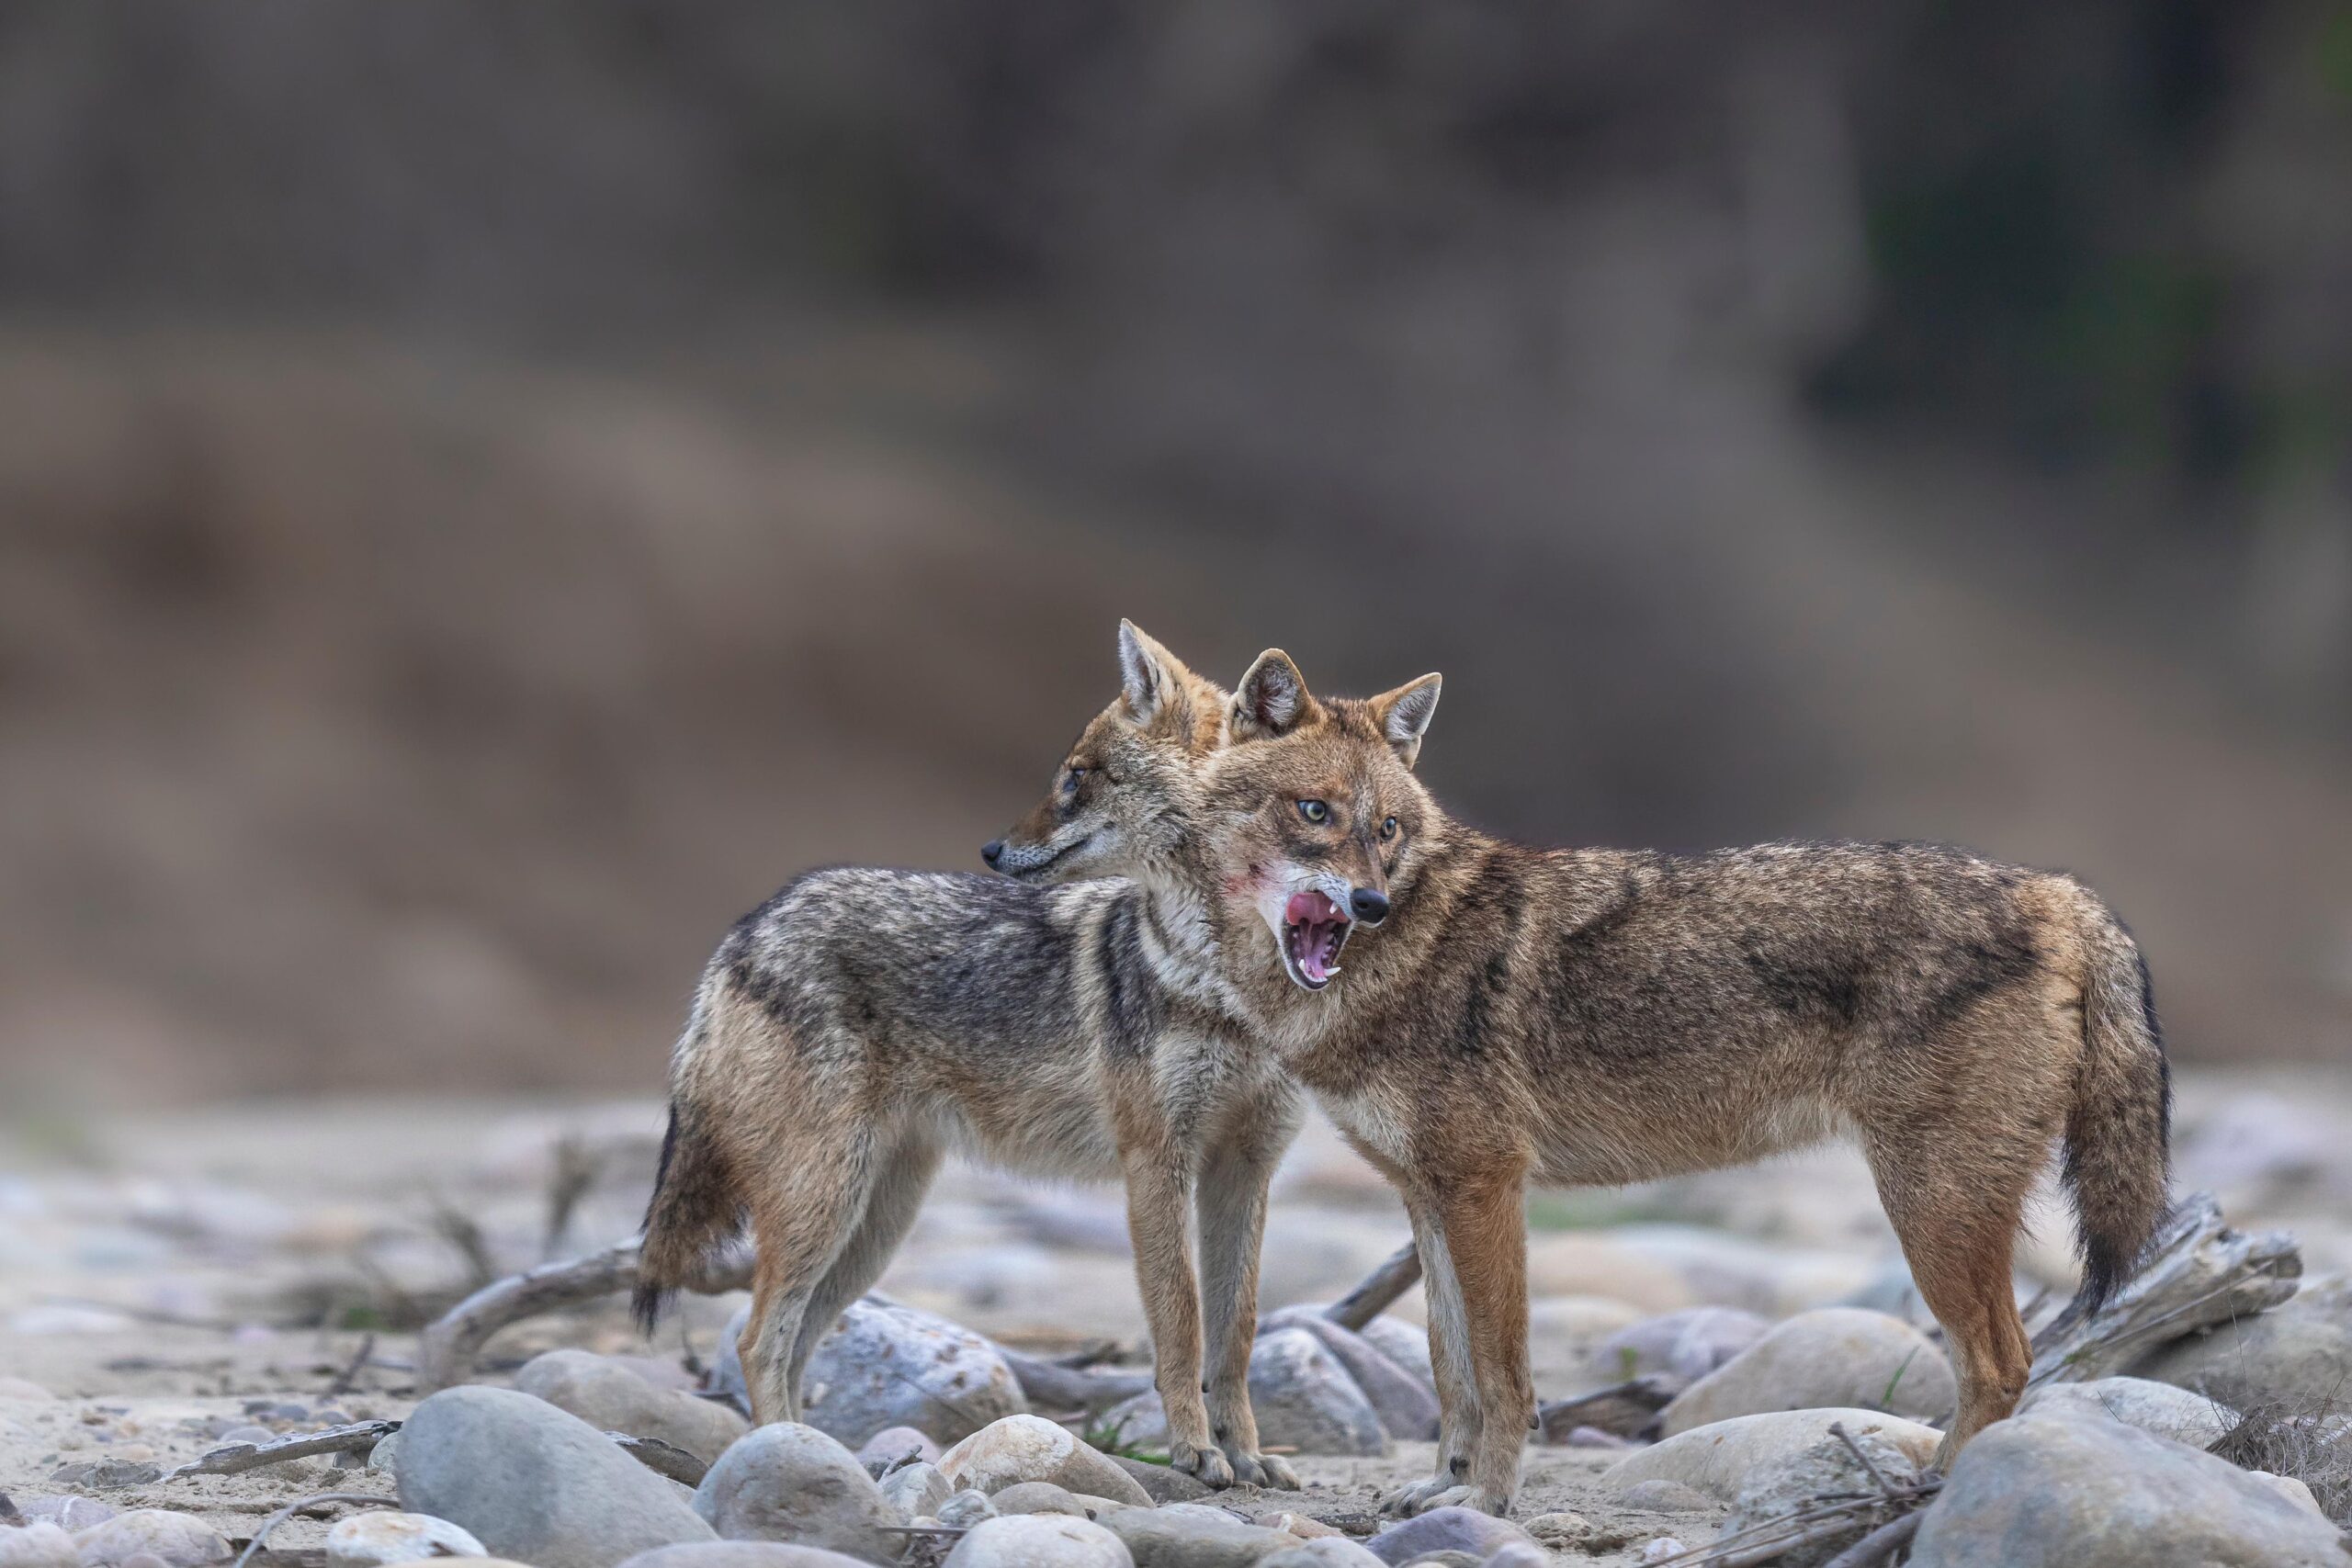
{"points": [[1208, 1465], [1443, 1490], [1267, 1470], [1407, 1501]]}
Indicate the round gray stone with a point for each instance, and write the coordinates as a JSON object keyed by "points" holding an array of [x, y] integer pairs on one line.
{"points": [[2043, 1491], [1446, 1529], [1039, 1540], [535, 1483], [612, 1397], [2160, 1407], [793, 1483]]}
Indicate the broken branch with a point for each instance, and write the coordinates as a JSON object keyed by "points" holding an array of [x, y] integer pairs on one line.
{"points": [[1398, 1274], [235, 1459]]}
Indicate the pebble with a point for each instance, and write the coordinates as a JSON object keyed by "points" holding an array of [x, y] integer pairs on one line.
{"points": [[369, 1540], [1192, 1535], [1162, 1483], [1845, 1356], [1718, 1459], [68, 1513], [1039, 1540], [181, 1540], [965, 1509], [888, 1365], [793, 1483], [1687, 1345], [1667, 1497], [1299, 1525], [1404, 1402], [1321, 1551], [1445, 1529], [1663, 1548], [892, 1443], [1303, 1399], [2052, 1490], [738, 1554], [106, 1472], [1560, 1528], [2280, 1356], [1030, 1448], [2157, 1408], [916, 1490], [611, 1397], [38, 1545], [535, 1483], [1038, 1498], [1783, 1486]]}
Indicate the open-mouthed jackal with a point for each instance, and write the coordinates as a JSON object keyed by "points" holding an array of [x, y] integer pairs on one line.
{"points": [[1601, 1016], [862, 1023]]}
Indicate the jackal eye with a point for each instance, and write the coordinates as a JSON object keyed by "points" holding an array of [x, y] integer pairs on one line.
{"points": [[1072, 780], [1388, 827], [1315, 811]]}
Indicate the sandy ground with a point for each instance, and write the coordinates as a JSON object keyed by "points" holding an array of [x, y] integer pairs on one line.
{"points": [[166, 1276]]}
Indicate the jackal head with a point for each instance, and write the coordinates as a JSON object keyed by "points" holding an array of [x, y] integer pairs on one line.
{"points": [[1314, 815], [1119, 802]]}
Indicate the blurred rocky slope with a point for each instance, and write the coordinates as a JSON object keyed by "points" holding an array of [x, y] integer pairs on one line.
{"points": [[489, 494]]}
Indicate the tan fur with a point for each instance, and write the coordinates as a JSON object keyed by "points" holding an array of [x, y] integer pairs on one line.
{"points": [[862, 1023], [1584, 1016]]}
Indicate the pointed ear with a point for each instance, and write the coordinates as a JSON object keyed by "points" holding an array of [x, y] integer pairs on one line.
{"points": [[1272, 700], [1150, 678], [1404, 713]]}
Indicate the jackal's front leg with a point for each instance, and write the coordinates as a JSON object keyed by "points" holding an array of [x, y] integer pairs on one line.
{"points": [[1159, 1199], [1485, 1222], [1459, 1414], [1232, 1211]]}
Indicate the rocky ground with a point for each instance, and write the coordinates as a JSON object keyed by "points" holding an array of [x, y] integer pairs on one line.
{"points": [[172, 1284]]}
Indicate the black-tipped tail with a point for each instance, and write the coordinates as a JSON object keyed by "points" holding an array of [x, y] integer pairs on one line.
{"points": [[2119, 1130], [694, 1212]]}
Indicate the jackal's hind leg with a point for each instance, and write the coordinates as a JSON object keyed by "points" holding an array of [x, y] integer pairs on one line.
{"points": [[801, 1221], [902, 1174], [1231, 1208], [1957, 1223]]}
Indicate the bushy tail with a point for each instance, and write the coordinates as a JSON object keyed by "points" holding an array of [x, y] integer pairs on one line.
{"points": [[2119, 1130], [695, 1211]]}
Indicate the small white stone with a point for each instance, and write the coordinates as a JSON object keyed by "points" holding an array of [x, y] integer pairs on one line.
{"points": [[368, 1540]]}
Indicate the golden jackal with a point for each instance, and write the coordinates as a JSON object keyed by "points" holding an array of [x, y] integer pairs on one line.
{"points": [[862, 1022], [1602, 1016]]}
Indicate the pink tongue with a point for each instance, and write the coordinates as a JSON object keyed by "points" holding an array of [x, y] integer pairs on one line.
{"points": [[1310, 961], [1306, 906]]}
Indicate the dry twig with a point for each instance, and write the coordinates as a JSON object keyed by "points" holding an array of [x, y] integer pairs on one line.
{"points": [[302, 1505], [1399, 1272], [2198, 1272], [663, 1459], [235, 1459], [1880, 1544]]}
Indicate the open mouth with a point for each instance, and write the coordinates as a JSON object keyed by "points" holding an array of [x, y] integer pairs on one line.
{"points": [[1313, 929]]}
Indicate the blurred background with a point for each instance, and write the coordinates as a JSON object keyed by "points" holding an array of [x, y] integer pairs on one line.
{"points": [[487, 492]]}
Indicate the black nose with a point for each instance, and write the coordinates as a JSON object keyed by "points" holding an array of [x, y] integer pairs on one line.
{"points": [[993, 850], [1369, 907]]}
